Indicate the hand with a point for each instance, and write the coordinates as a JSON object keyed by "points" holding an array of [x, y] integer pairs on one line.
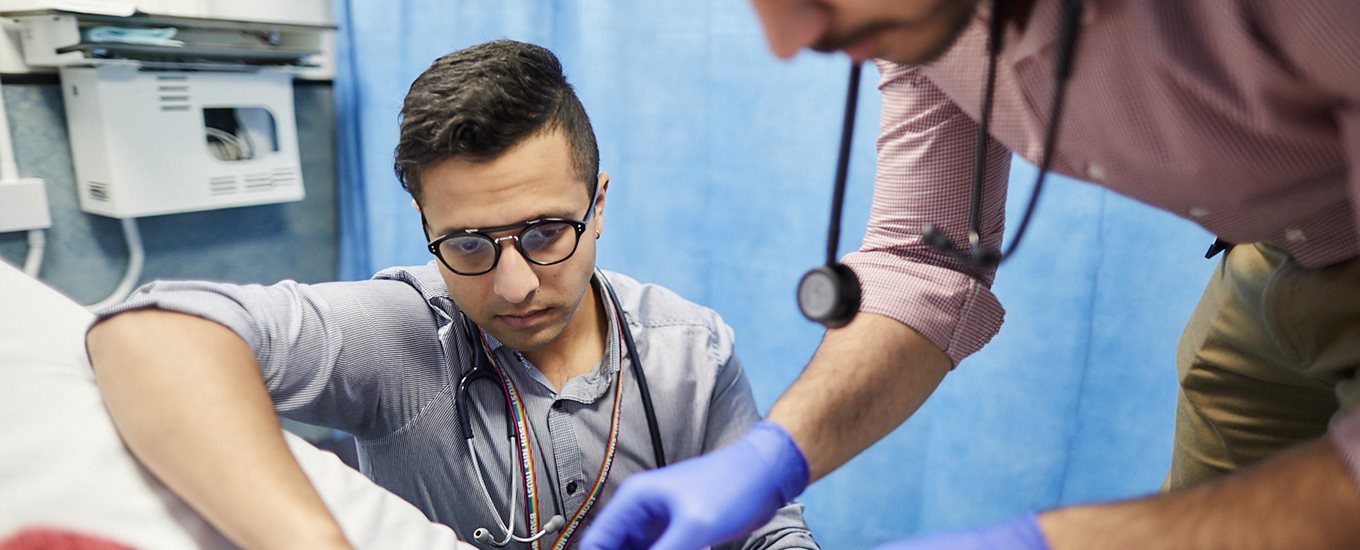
{"points": [[705, 500], [1021, 533]]}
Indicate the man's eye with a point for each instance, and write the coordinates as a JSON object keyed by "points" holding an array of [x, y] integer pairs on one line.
{"points": [[544, 235], [466, 246]]}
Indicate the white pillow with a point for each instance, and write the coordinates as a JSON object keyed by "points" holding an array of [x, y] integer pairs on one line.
{"points": [[63, 465]]}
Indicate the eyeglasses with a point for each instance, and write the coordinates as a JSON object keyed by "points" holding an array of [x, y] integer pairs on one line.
{"points": [[545, 241]]}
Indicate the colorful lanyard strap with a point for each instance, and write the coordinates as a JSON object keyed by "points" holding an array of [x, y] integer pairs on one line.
{"points": [[526, 453]]}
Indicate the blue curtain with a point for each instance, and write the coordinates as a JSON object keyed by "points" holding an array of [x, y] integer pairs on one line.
{"points": [[721, 160]]}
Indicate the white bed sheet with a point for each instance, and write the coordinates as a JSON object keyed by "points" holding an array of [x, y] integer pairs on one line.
{"points": [[62, 464]]}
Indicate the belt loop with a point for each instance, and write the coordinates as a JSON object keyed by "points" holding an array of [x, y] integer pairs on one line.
{"points": [[1219, 245]]}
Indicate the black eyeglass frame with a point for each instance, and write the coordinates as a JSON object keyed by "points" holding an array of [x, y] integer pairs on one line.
{"points": [[526, 226]]}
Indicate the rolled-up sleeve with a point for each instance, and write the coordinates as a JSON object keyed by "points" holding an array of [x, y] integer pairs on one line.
{"points": [[353, 356], [923, 176]]}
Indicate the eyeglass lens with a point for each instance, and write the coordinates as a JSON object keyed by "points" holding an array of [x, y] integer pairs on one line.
{"points": [[542, 243]]}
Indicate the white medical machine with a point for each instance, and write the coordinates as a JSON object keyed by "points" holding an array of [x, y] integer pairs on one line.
{"points": [[172, 114]]}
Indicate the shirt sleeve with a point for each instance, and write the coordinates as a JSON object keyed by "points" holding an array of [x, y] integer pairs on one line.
{"points": [[732, 411], [363, 357], [923, 176]]}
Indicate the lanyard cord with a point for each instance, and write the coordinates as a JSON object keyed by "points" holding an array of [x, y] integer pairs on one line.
{"points": [[608, 463], [526, 454]]}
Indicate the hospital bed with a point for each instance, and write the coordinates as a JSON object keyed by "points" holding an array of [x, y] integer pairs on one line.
{"points": [[63, 466]]}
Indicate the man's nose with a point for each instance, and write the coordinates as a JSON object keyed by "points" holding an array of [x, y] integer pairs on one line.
{"points": [[515, 279]]}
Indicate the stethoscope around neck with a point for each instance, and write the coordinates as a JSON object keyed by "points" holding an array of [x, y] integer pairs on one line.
{"points": [[485, 367], [830, 294]]}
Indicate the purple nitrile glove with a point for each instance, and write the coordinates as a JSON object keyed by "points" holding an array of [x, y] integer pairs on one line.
{"points": [[705, 500], [1020, 533]]}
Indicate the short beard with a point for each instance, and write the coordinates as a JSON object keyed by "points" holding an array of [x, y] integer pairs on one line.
{"points": [[956, 22]]}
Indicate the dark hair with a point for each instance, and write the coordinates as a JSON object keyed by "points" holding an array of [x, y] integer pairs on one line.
{"points": [[478, 102]]}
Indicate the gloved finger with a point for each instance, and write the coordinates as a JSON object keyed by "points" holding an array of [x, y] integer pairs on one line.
{"points": [[623, 523]]}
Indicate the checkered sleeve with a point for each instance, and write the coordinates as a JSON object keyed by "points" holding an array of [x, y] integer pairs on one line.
{"points": [[925, 154]]}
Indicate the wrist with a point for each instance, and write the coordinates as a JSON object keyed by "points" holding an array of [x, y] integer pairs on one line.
{"points": [[785, 461]]}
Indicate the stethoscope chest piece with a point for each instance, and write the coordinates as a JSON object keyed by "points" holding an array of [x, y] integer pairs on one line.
{"points": [[829, 294]]}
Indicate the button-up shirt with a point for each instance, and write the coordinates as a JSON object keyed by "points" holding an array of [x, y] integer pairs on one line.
{"points": [[1242, 116], [381, 359]]}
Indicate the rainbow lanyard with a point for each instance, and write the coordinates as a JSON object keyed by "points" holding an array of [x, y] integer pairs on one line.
{"points": [[526, 456]]}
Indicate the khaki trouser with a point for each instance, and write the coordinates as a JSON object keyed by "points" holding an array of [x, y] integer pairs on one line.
{"points": [[1268, 358]]}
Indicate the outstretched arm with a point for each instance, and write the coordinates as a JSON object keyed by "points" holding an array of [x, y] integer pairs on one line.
{"points": [[923, 311], [187, 398], [1303, 499], [865, 380]]}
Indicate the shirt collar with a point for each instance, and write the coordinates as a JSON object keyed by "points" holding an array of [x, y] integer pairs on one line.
{"points": [[590, 386]]}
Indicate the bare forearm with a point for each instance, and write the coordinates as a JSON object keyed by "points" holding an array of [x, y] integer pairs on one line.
{"points": [[1303, 499], [187, 398], [864, 380]]}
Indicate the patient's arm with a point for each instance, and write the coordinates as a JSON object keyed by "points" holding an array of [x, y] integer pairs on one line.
{"points": [[187, 398]]}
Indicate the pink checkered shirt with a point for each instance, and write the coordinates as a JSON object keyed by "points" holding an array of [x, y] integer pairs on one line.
{"points": [[1239, 115]]}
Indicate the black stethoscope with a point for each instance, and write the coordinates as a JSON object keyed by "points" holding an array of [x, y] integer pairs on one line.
{"points": [[485, 367], [830, 294]]}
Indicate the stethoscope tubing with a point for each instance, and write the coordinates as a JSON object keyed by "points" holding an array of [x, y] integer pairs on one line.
{"points": [[484, 367]]}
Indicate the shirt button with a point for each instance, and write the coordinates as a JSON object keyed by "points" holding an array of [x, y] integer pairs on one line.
{"points": [[1199, 212], [1294, 235], [571, 488], [1095, 171]]}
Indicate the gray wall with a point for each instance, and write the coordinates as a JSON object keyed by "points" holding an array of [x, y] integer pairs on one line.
{"points": [[86, 255]]}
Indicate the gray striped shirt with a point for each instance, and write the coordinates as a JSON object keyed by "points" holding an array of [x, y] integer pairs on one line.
{"points": [[381, 359]]}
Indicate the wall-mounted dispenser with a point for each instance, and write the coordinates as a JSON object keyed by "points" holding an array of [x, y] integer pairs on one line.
{"points": [[160, 142], [195, 118]]}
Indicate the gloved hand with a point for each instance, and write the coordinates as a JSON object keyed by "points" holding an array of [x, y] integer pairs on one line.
{"points": [[705, 500], [1020, 533]]}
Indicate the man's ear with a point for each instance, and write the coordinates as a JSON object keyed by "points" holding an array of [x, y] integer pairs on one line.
{"points": [[603, 182], [424, 226]]}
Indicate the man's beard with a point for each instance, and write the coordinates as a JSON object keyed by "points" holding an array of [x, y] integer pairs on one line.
{"points": [[957, 21]]}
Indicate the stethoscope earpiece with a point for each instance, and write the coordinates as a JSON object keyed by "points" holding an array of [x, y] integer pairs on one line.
{"points": [[981, 256], [555, 524], [483, 536], [829, 295]]}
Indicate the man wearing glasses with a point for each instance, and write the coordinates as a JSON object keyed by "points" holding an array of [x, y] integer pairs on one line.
{"points": [[492, 388]]}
